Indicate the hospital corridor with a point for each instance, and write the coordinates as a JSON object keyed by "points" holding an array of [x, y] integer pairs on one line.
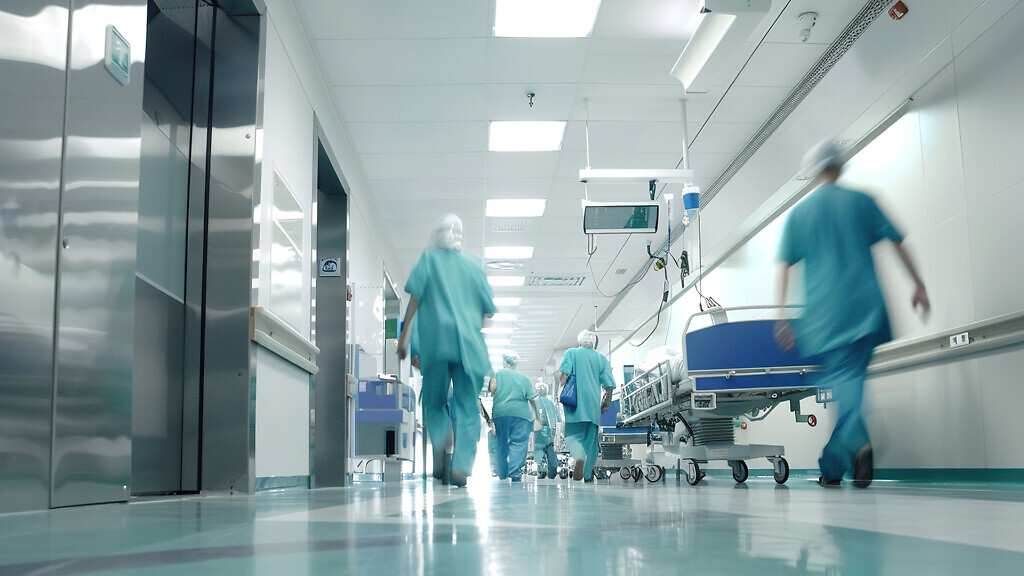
{"points": [[511, 287]]}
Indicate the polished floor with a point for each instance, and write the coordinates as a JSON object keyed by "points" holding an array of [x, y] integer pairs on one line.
{"points": [[538, 527]]}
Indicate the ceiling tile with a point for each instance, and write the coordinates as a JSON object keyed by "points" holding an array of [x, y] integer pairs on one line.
{"points": [[330, 19], [550, 101], [404, 62], [749, 104], [632, 61], [535, 60], [672, 19], [422, 166], [774, 64], [418, 137], [723, 137], [412, 103]]}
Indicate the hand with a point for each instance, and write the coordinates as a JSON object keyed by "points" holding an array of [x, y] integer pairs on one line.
{"points": [[784, 336], [921, 297], [402, 350], [537, 425], [416, 361]]}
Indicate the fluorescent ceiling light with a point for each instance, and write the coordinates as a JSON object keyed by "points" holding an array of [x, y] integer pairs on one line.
{"points": [[545, 18], [705, 40], [516, 208], [507, 301], [508, 252], [516, 136], [506, 280], [498, 330], [504, 317], [497, 342]]}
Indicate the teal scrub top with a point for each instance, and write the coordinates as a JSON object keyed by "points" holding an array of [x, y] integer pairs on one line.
{"points": [[593, 372], [453, 296], [514, 391], [549, 415], [832, 232]]}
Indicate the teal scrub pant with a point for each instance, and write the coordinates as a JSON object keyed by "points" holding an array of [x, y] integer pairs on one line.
{"points": [[513, 436], [492, 451], [544, 451], [459, 415], [582, 440], [844, 372]]}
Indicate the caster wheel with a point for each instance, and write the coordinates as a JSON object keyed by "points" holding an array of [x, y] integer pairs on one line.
{"points": [[563, 474], [781, 473], [654, 473], [739, 471], [696, 477], [624, 473]]}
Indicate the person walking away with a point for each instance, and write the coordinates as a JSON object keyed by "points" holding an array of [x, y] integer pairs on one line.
{"points": [[832, 232], [593, 373], [449, 297], [514, 414]]}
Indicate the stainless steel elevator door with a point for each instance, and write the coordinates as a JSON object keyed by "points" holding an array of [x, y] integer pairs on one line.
{"points": [[32, 65], [159, 363]]}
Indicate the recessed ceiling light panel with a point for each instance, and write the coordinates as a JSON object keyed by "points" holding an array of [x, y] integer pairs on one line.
{"points": [[545, 18], [516, 136], [508, 252]]}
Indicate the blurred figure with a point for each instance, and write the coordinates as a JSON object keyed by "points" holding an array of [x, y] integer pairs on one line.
{"points": [[844, 318], [492, 439], [514, 412], [593, 372], [544, 438], [449, 298]]}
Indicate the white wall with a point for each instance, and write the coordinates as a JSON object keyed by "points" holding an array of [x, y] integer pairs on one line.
{"points": [[295, 92], [949, 175]]}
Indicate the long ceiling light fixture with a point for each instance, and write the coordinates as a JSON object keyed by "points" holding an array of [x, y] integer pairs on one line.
{"points": [[525, 136], [723, 30]]}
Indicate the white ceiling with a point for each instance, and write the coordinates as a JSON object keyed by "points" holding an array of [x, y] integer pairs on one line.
{"points": [[417, 81]]}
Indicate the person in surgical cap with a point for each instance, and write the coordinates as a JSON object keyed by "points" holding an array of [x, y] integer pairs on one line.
{"points": [[514, 416], [449, 298], [544, 437], [593, 374], [832, 231]]}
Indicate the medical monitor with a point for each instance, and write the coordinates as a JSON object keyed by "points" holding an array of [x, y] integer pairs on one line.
{"points": [[620, 218]]}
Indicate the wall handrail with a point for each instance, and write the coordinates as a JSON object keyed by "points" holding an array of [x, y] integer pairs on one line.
{"points": [[276, 335], [985, 335]]}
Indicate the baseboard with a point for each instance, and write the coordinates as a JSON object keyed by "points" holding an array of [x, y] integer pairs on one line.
{"points": [[269, 483]]}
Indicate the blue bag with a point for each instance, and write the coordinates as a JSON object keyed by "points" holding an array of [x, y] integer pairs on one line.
{"points": [[568, 395]]}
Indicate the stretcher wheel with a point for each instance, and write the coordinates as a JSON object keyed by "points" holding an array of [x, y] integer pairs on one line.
{"points": [[812, 420], [624, 473], [781, 473], [739, 471], [654, 473], [697, 475], [563, 474]]}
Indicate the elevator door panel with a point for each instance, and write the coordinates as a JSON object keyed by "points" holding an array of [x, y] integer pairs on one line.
{"points": [[158, 375], [96, 275], [31, 130]]}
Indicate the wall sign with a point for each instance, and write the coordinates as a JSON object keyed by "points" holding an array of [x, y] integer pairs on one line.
{"points": [[330, 267], [117, 57]]}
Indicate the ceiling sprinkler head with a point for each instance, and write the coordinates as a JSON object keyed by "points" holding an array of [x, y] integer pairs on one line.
{"points": [[807, 20], [530, 95]]}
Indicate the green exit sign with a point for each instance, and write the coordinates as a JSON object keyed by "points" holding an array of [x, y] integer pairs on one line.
{"points": [[118, 56]]}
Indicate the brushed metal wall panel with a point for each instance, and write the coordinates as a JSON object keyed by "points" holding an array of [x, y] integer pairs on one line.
{"points": [[330, 456], [157, 390], [96, 275], [31, 130], [228, 415]]}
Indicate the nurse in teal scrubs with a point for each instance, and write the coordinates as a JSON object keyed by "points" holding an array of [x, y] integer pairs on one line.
{"points": [[593, 374], [514, 416], [449, 298], [544, 438], [844, 318]]}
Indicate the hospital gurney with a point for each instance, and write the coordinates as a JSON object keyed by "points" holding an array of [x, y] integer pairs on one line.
{"points": [[730, 369]]}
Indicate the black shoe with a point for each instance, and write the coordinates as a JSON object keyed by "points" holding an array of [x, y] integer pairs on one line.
{"points": [[828, 484], [863, 467]]}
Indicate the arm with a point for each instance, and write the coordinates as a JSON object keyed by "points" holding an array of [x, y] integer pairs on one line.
{"points": [[493, 387], [920, 294], [537, 424], [606, 400], [784, 336], [403, 338]]}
